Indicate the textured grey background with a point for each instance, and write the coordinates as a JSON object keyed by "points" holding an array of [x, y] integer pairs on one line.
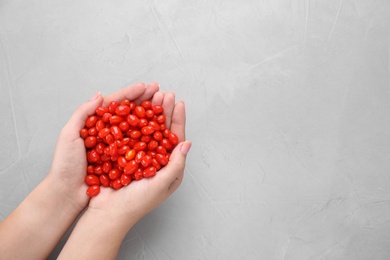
{"points": [[288, 111]]}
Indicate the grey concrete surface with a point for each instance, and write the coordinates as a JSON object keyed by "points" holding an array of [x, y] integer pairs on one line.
{"points": [[287, 105]]}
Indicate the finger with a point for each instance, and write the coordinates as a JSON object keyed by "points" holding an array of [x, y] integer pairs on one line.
{"points": [[149, 92], [131, 92], [158, 98], [174, 170], [179, 121], [169, 105], [77, 120]]}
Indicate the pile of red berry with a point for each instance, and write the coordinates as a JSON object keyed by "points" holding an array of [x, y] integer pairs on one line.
{"points": [[125, 142]]}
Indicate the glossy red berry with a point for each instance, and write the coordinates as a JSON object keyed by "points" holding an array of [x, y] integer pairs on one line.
{"points": [[90, 141], [93, 190], [139, 111], [92, 180], [149, 172], [157, 109], [104, 180], [91, 121], [122, 110]]}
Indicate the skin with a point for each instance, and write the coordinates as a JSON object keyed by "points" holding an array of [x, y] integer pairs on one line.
{"points": [[39, 222]]}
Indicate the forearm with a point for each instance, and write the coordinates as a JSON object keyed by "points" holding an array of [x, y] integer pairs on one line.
{"points": [[97, 235], [34, 228]]}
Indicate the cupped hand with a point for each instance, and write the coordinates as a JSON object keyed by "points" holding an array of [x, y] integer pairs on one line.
{"points": [[132, 202], [69, 165]]}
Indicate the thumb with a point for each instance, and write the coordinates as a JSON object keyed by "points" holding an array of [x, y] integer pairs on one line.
{"points": [[77, 120], [174, 170]]}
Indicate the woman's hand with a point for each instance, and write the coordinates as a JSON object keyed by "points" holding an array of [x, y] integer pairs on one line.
{"points": [[69, 165]]}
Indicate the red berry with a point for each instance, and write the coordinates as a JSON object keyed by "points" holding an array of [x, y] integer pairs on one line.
{"points": [[122, 110], [116, 184], [130, 167], [104, 180], [133, 120], [147, 130], [135, 134], [84, 133], [158, 136], [90, 141], [146, 104], [130, 154], [149, 172], [93, 190], [140, 146], [161, 159], [116, 120], [116, 132], [146, 161], [161, 119], [125, 179], [157, 109], [173, 139], [92, 180], [91, 121], [149, 114], [114, 173], [100, 125], [139, 111]]}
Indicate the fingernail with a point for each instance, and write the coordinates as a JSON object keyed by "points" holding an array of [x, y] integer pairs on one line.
{"points": [[95, 96], [185, 147]]}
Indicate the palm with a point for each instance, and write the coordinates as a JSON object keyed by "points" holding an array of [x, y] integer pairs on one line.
{"points": [[69, 164], [138, 198]]}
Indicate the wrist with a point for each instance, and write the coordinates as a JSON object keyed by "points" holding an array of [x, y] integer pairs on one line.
{"points": [[103, 232], [120, 223], [72, 201]]}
